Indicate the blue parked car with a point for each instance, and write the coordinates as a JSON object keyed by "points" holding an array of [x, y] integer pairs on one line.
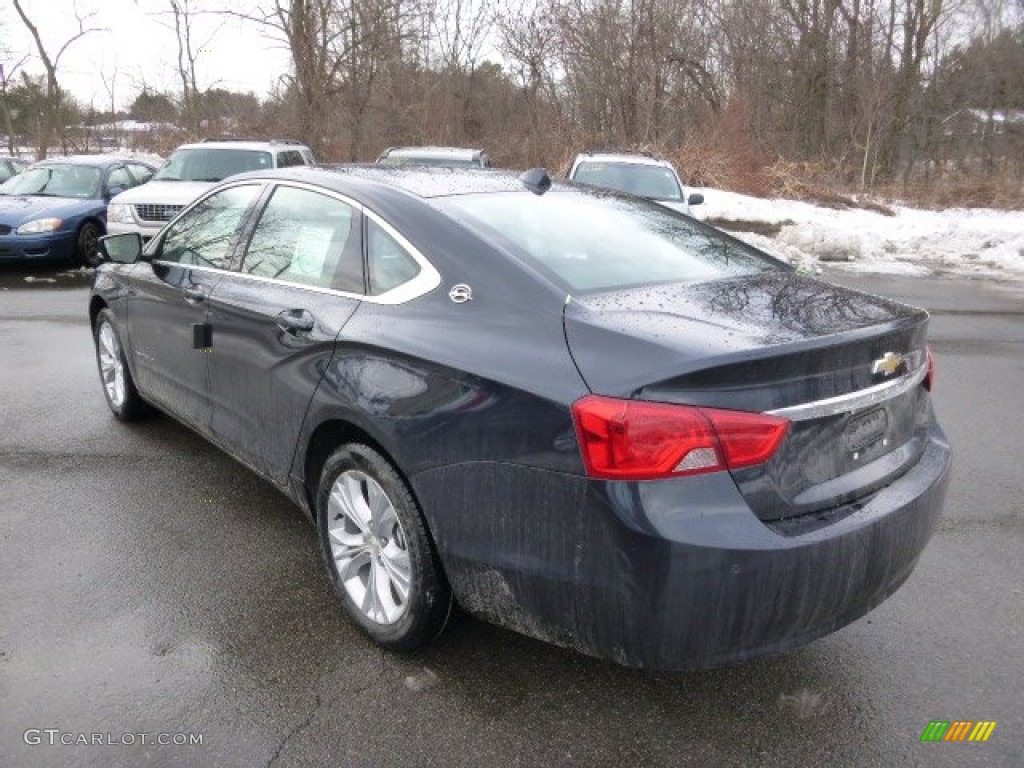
{"points": [[56, 210]]}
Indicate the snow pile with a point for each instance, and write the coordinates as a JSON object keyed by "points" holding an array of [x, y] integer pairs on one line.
{"points": [[962, 241]]}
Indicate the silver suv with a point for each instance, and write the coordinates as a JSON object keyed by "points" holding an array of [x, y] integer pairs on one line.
{"points": [[450, 157], [637, 173], [191, 170]]}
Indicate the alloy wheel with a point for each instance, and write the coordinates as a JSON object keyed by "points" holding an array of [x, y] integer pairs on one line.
{"points": [[369, 547], [111, 366]]}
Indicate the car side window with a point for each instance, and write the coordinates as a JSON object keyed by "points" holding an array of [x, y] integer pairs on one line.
{"points": [[309, 238], [206, 233], [119, 177], [141, 172], [389, 264], [288, 158]]}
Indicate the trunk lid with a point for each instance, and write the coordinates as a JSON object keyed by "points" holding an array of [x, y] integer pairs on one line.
{"points": [[772, 342]]}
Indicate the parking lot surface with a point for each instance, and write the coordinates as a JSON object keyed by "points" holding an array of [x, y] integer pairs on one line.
{"points": [[151, 585]]}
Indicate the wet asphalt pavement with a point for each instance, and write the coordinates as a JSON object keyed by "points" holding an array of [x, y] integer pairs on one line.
{"points": [[151, 585]]}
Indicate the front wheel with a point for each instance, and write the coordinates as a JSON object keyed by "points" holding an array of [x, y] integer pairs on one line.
{"points": [[118, 386], [378, 554], [89, 244]]}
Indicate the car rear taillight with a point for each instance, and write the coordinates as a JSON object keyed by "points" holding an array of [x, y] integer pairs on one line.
{"points": [[929, 378], [638, 440]]}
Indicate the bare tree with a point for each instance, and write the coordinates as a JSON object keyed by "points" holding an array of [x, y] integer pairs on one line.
{"points": [[54, 95], [5, 76], [338, 50], [318, 42], [459, 29], [182, 16]]}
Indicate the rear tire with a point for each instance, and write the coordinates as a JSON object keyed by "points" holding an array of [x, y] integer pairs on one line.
{"points": [[118, 385], [378, 554]]}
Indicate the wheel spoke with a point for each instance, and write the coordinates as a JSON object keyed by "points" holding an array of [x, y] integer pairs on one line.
{"points": [[399, 571], [385, 597], [376, 499], [385, 519], [350, 562], [342, 538], [347, 495], [371, 599]]}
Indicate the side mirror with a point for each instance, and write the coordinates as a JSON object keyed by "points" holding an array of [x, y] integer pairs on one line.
{"points": [[125, 248], [695, 199]]}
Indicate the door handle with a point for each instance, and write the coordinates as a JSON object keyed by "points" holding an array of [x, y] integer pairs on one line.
{"points": [[195, 294], [296, 321]]}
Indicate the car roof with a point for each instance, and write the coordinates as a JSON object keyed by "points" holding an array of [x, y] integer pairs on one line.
{"points": [[99, 161], [417, 181], [269, 145], [433, 152], [632, 158]]}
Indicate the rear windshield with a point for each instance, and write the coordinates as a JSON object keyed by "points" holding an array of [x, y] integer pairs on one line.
{"points": [[593, 241], [209, 164], [655, 182]]}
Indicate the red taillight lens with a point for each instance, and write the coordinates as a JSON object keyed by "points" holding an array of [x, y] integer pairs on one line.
{"points": [[929, 378], [638, 440], [747, 438]]}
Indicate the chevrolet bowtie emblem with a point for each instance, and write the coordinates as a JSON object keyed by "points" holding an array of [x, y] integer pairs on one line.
{"points": [[888, 364]]}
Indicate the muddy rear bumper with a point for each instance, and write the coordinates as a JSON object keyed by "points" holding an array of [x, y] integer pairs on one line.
{"points": [[670, 574]]}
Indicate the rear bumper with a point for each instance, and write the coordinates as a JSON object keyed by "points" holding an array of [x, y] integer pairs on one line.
{"points": [[670, 574]]}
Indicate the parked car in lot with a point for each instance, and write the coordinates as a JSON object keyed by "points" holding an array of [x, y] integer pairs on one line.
{"points": [[479, 396], [190, 171], [57, 209], [449, 157], [11, 166], [636, 173]]}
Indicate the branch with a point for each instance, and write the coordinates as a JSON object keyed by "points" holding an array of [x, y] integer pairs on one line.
{"points": [[7, 74], [82, 32], [35, 36]]}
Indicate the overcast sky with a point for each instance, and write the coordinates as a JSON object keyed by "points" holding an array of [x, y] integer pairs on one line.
{"points": [[136, 44]]}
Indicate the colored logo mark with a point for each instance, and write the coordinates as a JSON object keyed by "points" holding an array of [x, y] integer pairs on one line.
{"points": [[958, 730]]}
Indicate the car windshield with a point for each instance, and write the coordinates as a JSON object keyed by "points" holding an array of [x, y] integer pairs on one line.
{"points": [[56, 180], [655, 182], [210, 164], [601, 241]]}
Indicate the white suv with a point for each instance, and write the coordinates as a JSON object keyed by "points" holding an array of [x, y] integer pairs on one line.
{"points": [[450, 157], [636, 173], [190, 171]]}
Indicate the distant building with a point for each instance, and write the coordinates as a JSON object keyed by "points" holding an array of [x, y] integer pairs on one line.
{"points": [[124, 134], [982, 123], [984, 139]]}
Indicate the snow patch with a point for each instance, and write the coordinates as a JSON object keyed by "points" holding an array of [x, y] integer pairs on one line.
{"points": [[971, 242]]}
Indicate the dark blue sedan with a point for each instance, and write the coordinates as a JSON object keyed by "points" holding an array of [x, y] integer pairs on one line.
{"points": [[572, 412], [56, 210]]}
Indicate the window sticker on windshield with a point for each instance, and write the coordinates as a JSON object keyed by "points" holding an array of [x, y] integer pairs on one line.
{"points": [[311, 251]]}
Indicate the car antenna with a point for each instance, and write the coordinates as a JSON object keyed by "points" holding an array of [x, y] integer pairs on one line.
{"points": [[536, 180]]}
